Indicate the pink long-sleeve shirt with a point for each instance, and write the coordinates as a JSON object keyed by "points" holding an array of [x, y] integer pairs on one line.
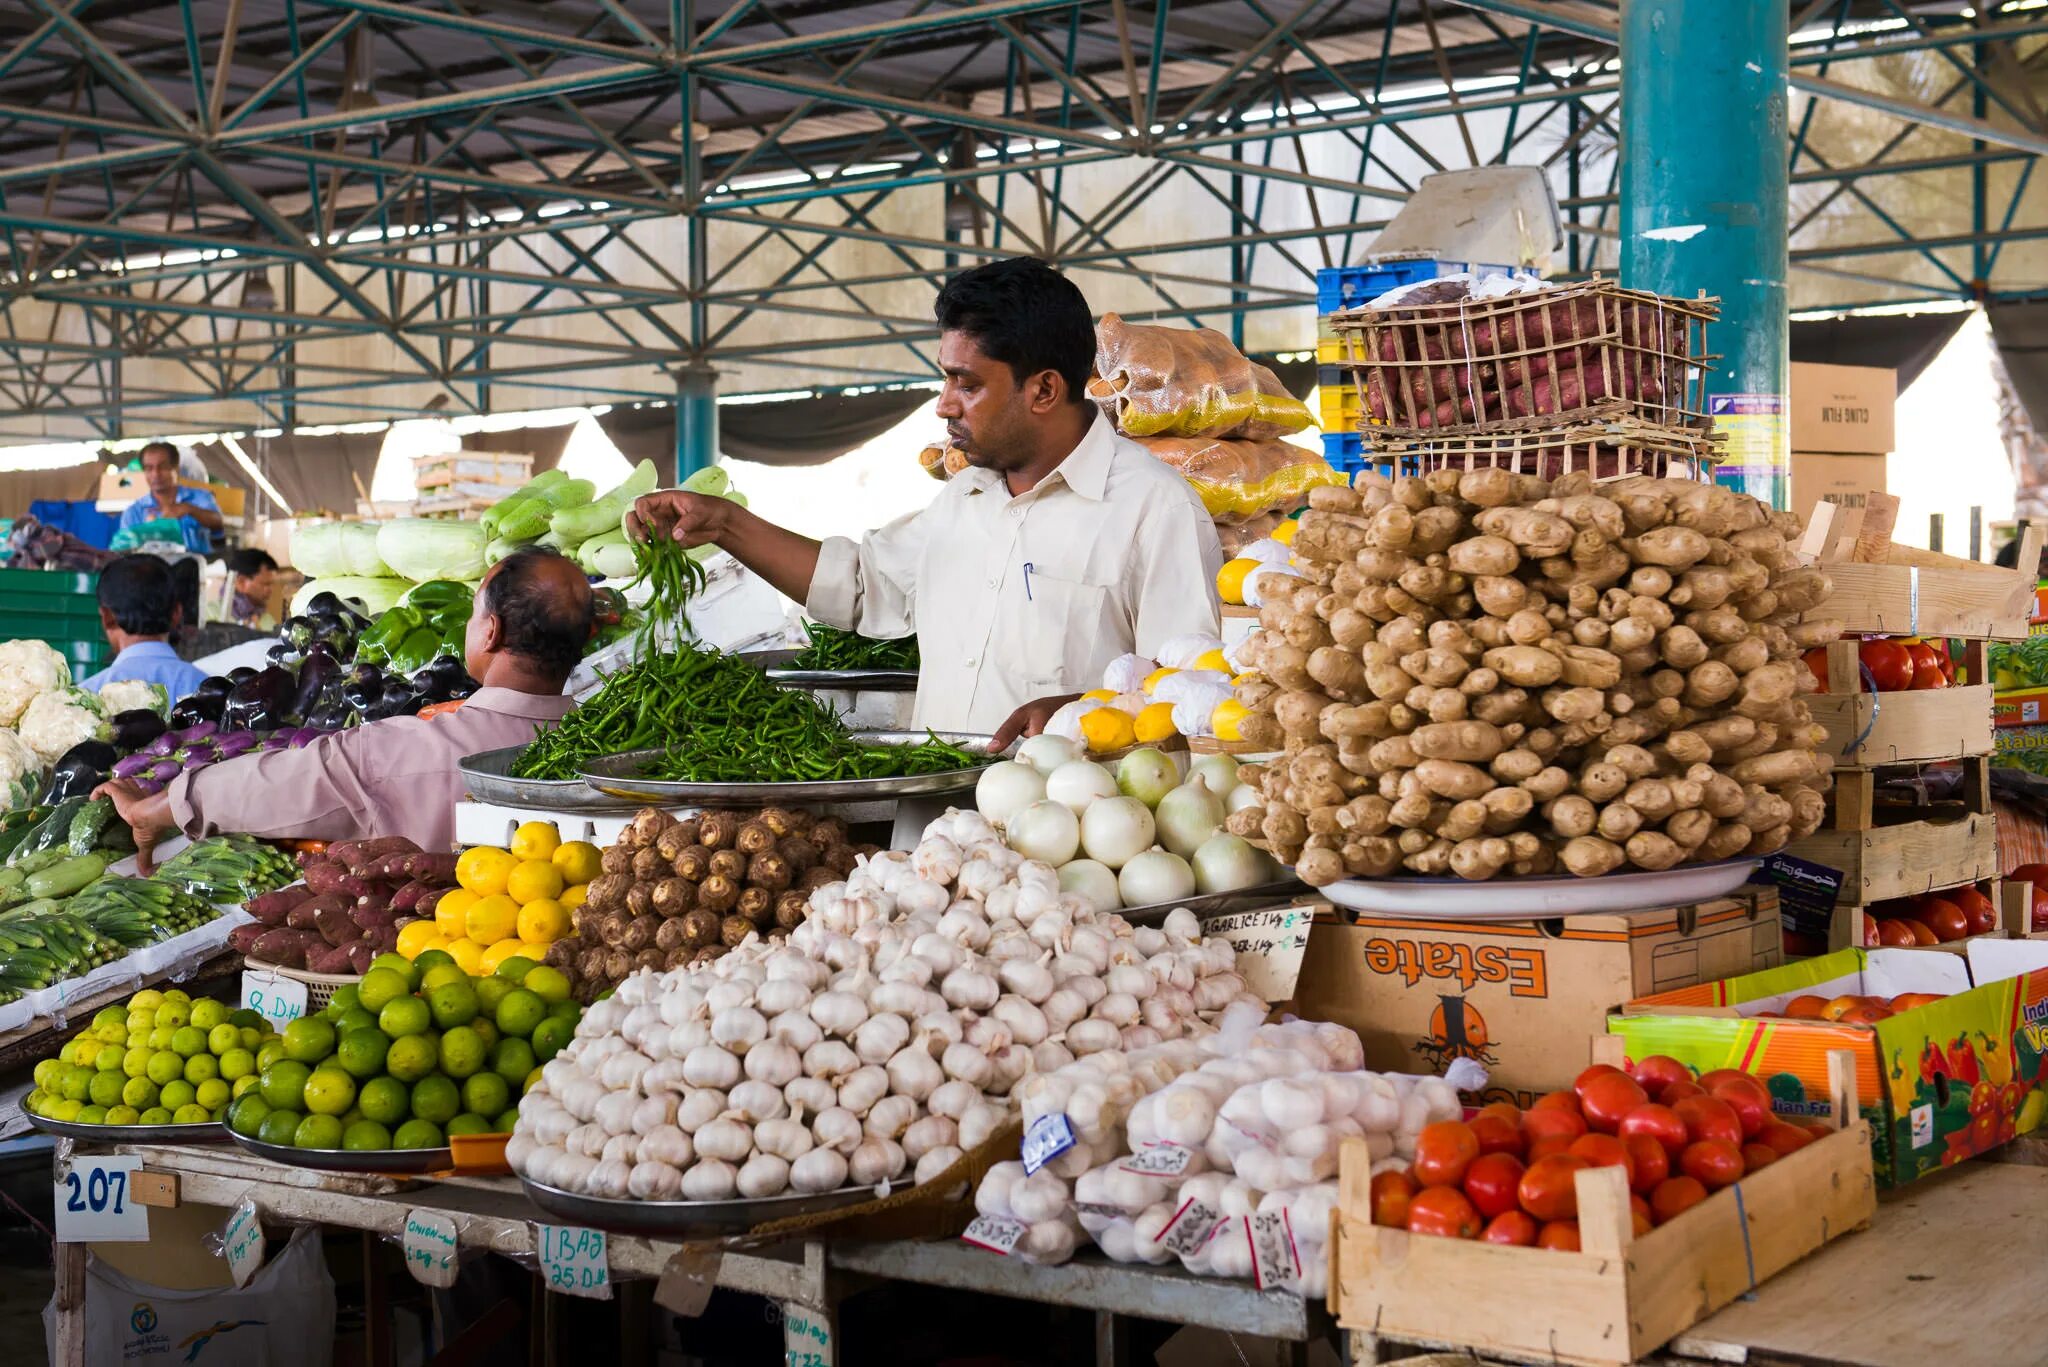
{"points": [[390, 777]]}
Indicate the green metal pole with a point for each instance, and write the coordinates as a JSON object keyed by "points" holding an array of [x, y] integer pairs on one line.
{"points": [[696, 420], [1703, 207]]}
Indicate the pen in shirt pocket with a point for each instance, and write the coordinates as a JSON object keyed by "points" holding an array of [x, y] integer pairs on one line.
{"points": [[1027, 581]]}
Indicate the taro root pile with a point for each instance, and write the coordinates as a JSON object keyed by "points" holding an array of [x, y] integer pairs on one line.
{"points": [[1483, 673], [678, 892]]}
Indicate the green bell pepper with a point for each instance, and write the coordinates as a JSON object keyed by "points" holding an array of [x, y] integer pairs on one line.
{"points": [[380, 642], [437, 595], [417, 650]]}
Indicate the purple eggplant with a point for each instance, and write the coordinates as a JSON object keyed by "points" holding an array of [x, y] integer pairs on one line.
{"points": [[133, 766], [232, 743], [164, 770], [305, 736], [259, 702], [196, 731], [162, 745], [149, 785]]}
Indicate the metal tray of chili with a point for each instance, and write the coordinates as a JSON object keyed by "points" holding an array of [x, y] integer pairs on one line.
{"points": [[775, 664], [624, 776], [488, 778]]}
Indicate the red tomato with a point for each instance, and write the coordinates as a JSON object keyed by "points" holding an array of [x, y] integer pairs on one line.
{"points": [[1926, 666], [1496, 1135], [1442, 1153], [1649, 1159], [1562, 1235], [1443, 1211], [1943, 917], [1391, 1193], [1675, 1092], [1784, 1138], [1819, 1129], [1923, 934], [1674, 1196], [2030, 873], [1605, 1100], [1491, 1182], [1709, 1117], [1545, 1145], [1895, 932], [1747, 1097], [1593, 1071], [1755, 1156], [1641, 1221], [1817, 664], [2037, 908], [1552, 1120], [1605, 1151], [1510, 1227], [1659, 1071], [1872, 936], [1889, 663], [1557, 1101], [1977, 909], [1713, 1163], [1546, 1189], [1657, 1123], [1505, 1110]]}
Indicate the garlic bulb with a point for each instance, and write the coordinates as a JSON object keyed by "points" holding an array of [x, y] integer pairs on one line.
{"points": [[762, 1175], [818, 1171]]}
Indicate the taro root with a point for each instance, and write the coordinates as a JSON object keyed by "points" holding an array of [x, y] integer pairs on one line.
{"points": [[671, 935], [618, 858], [785, 821], [791, 908], [718, 893], [694, 863], [651, 958], [753, 838], [640, 899], [700, 926], [734, 929], [755, 905], [799, 853], [612, 929], [590, 967], [648, 824], [705, 954], [674, 896], [649, 866], [768, 870], [607, 892], [639, 933], [826, 832], [617, 964], [562, 953], [716, 830], [674, 841], [728, 864]]}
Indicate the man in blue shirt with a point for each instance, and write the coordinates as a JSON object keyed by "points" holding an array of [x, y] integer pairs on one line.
{"points": [[139, 610], [197, 513]]}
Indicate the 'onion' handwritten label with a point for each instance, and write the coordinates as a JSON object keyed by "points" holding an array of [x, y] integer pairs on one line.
{"points": [[1269, 944], [241, 1243], [1048, 1138], [1189, 1228], [573, 1260], [1275, 1260], [996, 1233], [1159, 1160], [429, 1246]]}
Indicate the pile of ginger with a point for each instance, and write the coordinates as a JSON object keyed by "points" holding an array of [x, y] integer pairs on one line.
{"points": [[1482, 673]]}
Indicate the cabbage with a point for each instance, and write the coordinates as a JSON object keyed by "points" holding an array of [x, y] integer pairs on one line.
{"points": [[375, 595], [321, 550], [432, 548], [359, 548]]}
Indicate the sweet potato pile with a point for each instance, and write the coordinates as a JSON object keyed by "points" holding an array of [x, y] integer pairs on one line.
{"points": [[346, 912], [1486, 674]]}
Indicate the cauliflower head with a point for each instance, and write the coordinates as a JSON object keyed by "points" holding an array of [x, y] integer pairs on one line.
{"points": [[126, 695], [55, 722], [28, 669], [21, 776]]}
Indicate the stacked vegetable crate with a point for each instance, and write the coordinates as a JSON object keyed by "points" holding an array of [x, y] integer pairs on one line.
{"points": [[60, 608], [464, 483], [1877, 737]]}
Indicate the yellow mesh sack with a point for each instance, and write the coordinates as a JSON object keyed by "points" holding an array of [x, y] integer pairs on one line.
{"points": [[1187, 382], [1241, 480]]}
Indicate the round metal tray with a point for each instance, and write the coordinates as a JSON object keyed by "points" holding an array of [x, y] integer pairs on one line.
{"points": [[1524, 899], [395, 1161], [683, 1217], [775, 664], [1218, 903], [487, 778], [620, 776], [209, 1132]]}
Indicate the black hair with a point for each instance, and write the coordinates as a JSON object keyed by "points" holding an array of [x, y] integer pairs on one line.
{"points": [[139, 593], [249, 561], [1025, 314], [158, 446], [547, 627]]}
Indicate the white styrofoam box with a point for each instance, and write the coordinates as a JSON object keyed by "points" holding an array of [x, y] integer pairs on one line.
{"points": [[737, 610]]}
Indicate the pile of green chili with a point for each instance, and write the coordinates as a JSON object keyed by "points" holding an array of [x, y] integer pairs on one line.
{"points": [[831, 648]]}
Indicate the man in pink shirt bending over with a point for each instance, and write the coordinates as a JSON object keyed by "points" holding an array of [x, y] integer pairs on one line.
{"points": [[397, 776]]}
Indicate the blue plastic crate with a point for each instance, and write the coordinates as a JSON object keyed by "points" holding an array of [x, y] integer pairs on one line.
{"points": [[1345, 451], [1347, 287]]}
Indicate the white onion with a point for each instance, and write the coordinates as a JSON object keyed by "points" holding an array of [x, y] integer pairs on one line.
{"points": [[1218, 771], [1046, 752], [1155, 876], [1005, 789], [1147, 775], [1046, 830], [1225, 863], [1115, 830], [1241, 797], [1093, 880], [1078, 785], [1187, 816]]}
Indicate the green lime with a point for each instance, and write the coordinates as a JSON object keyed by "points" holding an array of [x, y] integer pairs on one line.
{"points": [[109, 1060], [417, 1134], [279, 1126], [160, 1037], [46, 1070], [486, 1033], [110, 1015], [344, 997], [269, 1052], [308, 1039], [66, 1109], [565, 1010], [242, 1018], [211, 1094], [485, 1094], [92, 1115], [222, 1038], [317, 1132], [489, 992], [351, 1116], [188, 1040], [191, 1113], [405, 1016], [412, 1058], [176, 1094], [122, 1115], [105, 1089], [75, 1083], [468, 1123], [551, 984], [453, 1003], [329, 1092], [365, 1134], [355, 1018], [284, 1084], [515, 967], [512, 1060], [435, 1099], [550, 1036], [426, 959], [462, 1052], [135, 1062], [245, 1117], [252, 1038], [155, 1115], [201, 1068], [384, 1100], [207, 1013], [164, 1066], [380, 985], [505, 1121], [521, 1012], [361, 1053], [172, 1014], [440, 975], [139, 1092], [245, 1084], [237, 1063]]}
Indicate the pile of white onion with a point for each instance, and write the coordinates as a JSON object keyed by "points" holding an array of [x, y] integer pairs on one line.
{"points": [[879, 1040]]}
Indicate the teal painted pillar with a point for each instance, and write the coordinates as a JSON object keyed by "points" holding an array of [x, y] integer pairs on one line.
{"points": [[1704, 157], [696, 420]]}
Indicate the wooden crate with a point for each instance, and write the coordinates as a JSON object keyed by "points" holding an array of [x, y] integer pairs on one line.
{"points": [[1847, 928], [1902, 860], [1852, 805], [1870, 729], [1920, 593], [484, 467], [1620, 1297]]}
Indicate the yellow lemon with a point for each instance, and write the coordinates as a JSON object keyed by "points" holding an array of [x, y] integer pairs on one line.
{"points": [[544, 921], [1212, 659], [413, 937], [483, 869], [1284, 533], [532, 950], [1108, 729], [468, 955], [497, 954], [1230, 579], [536, 840], [533, 880], [438, 940], [490, 920], [1099, 695], [450, 910], [1152, 679], [579, 861], [1154, 723], [1228, 718], [574, 896]]}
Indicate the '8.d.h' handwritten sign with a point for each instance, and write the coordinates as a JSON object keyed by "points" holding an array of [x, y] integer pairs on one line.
{"points": [[1269, 944]]}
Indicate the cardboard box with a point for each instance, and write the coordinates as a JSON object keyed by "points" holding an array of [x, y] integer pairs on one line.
{"points": [[125, 486], [2020, 707], [1842, 408], [2021, 747], [1520, 998], [1845, 481], [1938, 1083]]}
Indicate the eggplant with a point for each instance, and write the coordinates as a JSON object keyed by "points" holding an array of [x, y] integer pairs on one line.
{"points": [[149, 785], [136, 727], [213, 686], [164, 770], [443, 680], [198, 731], [162, 745], [321, 668], [132, 766], [362, 686], [332, 714], [335, 630], [240, 674], [232, 743], [194, 709], [79, 770], [259, 701], [283, 655], [325, 602]]}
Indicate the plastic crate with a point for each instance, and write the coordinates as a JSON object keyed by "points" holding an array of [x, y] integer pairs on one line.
{"points": [[1349, 287], [60, 608], [1338, 398]]}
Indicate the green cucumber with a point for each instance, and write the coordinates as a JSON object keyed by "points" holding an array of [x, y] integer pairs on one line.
{"points": [[574, 526], [67, 876], [88, 825]]}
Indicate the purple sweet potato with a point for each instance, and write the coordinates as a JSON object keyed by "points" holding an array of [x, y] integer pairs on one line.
{"points": [[425, 906], [270, 907], [360, 954], [334, 925], [437, 869], [369, 915], [402, 901], [334, 878], [355, 852], [327, 959], [283, 946], [242, 938]]}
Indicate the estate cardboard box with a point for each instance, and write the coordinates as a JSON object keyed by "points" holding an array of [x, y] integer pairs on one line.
{"points": [[1846, 409]]}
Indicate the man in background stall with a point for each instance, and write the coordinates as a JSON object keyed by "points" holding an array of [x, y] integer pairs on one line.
{"points": [[192, 508]]}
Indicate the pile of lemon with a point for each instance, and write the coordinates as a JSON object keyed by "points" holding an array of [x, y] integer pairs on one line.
{"points": [[162, 1059], [507, 901]]}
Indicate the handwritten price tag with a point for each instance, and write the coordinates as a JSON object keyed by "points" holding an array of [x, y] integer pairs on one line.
{"points": [[996, 1233], [1274, 1258], [242, 1244], [95, 1205], [430, 1247], [1048, 1138], [806, 1338], [1159, 1160], [278, 1000], [1189, 1228], [1269, 944], [573, 1260]]}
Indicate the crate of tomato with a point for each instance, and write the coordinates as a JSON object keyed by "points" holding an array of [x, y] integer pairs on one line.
{"points": [[1890, 700]]}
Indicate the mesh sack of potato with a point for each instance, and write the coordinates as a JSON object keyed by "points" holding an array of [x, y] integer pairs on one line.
{"points": [[1481, 673], [1243, 479], [1187, 382]]}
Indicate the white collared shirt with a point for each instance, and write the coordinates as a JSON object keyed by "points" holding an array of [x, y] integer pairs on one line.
{"points": [[1025, 597]]}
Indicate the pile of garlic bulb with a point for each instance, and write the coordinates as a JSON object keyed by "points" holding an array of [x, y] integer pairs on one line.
{"points": [[881, 1040]]}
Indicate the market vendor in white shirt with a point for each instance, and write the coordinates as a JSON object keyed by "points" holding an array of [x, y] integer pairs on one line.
{"points": [[1062, 546]]}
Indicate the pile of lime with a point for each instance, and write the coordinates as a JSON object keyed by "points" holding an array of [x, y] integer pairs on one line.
{"points": [[162, 1059], [414, 1053]]}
